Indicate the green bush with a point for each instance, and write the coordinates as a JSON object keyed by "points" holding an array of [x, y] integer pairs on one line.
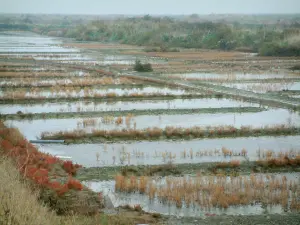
{"points": [[139, 67], [296, 67], [274, 49]]}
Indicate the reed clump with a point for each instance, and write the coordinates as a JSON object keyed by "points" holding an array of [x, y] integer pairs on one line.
{"points": [[174, 132], [269, 154], [216, 191], [89, 122], [64, 83], [231, 164], [119, 120], [279, 162]]}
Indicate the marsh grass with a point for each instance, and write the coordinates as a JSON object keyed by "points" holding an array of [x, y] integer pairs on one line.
{"points": [[282, 161], [216, 191], [173, 132], [76, 93], [65, 84]]}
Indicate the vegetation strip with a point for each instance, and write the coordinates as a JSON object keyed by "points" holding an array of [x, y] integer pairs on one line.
{"points": [[21, 115], [154, 133], [222, 192], [207, 168], [69, 82], [27, 100], [94, 86]]}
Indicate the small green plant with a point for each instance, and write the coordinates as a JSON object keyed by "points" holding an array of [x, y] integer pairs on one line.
{"points": [[140, 67]]}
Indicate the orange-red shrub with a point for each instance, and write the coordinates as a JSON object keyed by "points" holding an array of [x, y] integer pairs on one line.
{"points": [[35, 165], [74, 184], [70, 168]]}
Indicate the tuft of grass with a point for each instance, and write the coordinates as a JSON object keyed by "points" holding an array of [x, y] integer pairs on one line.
{"points": [[231, 164], [282, 161]]}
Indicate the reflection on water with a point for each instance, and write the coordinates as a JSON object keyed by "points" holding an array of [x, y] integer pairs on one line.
{"points": [[194, 210], [89, 106], [259, 119], [230, 77], [92, 92], [14, 42], [265, 87], [151, 152]]}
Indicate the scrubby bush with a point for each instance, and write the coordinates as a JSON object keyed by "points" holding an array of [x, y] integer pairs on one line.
{"points": [[275, 49], [140, 67], [51, 176], [296, 67]]}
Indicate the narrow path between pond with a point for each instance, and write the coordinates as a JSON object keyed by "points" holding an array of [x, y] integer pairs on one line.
{"points": [[231, 92]]}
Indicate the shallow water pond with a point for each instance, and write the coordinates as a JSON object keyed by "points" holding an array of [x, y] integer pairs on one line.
{"points": [[153, 152], [265, 87], [88, 106], [29, 42], [265, 118], [230, 77], [194, 210], [99, 91]]}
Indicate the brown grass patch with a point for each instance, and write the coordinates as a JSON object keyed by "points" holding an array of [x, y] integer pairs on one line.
{"points": [[18, 204], [173, 132], [216, 191], [192, 54]]}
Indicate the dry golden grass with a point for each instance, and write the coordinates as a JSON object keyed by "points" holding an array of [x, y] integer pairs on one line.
{"points": [[270, 154], [119, 120], [172, 132], [191, 54], [213, 61], [19, 205], [203, 54], [216, 191]]}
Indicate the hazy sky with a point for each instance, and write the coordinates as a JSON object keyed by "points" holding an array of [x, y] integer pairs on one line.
{"points": [[149, 6]]}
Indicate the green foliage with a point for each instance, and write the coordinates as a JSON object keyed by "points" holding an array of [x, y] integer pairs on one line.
{"points": [[252, 34], [139, 67], [296, 67], [274, 49]]}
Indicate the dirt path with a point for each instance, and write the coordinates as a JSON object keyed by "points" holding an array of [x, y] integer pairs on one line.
{"points": [[246, 95], [230, 92]]}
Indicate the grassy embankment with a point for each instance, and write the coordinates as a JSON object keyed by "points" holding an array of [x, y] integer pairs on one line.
{"points": [[170, 132], [38, 188]]}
